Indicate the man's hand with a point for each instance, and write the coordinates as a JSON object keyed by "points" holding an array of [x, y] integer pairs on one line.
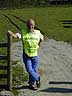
{"points": [[10, 32]]}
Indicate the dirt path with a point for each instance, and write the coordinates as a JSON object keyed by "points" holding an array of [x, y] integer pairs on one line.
{"points": [[55, 64]]}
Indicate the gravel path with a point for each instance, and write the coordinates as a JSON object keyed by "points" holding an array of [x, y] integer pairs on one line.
{"points": [[55, 65]]}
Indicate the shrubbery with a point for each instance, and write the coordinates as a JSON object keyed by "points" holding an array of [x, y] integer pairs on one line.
{"points": [[18, 75]]}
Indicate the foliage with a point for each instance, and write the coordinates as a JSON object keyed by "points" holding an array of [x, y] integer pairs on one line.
{"points": [[19, 76], [15, 92], [30, 3]]}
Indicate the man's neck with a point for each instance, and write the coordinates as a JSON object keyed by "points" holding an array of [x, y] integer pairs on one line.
{"points": [[31, 30]]}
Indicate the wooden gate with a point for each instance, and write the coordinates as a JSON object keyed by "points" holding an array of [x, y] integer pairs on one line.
{"points": [[8, 65]]}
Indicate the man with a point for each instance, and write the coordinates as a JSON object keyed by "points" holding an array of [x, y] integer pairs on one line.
{"points": [[31, 39]]}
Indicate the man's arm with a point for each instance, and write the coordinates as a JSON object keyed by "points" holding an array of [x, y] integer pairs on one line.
{"points": [[41, 39], [14, 35]]}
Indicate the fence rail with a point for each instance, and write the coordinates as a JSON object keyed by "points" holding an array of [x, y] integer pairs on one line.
{"points": [[3, 67], [3, 44], [3, 57], [7, 67]]}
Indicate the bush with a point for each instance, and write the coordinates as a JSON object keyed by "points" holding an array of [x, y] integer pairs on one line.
{"points": [[19, 76]]}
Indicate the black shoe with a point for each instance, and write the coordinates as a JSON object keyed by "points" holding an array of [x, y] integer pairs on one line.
{"points": [[32, 87], [38, 83]]}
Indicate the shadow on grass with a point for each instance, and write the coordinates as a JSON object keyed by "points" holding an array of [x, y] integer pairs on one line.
{"points": [[67, 22], [57, 90], [67, 26], [25, 23], [57, 82], [21, 87]]}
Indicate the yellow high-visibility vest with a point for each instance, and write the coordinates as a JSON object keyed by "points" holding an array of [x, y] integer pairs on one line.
{"points": [[30, 42]]}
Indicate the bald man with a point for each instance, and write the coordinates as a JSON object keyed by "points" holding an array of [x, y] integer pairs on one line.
{"points": [[31, 39]]}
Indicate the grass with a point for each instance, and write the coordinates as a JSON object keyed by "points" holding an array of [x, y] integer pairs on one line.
{"points": [[47, 19], [19, 76], [50, 20]]}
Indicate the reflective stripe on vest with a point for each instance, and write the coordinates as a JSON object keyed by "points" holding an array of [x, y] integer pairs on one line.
{"points": [[30, 42]]}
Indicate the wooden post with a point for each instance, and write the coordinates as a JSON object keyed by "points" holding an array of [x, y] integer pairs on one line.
{"points": [[9, 62]]}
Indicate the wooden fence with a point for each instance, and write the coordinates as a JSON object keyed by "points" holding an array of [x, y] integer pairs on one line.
{"points": [[8, 66]]}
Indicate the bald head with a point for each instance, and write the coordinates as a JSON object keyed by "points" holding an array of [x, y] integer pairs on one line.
{"points": [[30, 24]]}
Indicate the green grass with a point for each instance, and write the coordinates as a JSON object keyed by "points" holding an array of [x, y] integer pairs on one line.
{"points": [[47, 19], [19, 76]]}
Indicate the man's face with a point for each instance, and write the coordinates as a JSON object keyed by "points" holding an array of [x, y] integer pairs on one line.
{"points": [[31, 24]]}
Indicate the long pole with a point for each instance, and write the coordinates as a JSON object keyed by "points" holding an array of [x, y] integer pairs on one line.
{"points": [[9, 63]]}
